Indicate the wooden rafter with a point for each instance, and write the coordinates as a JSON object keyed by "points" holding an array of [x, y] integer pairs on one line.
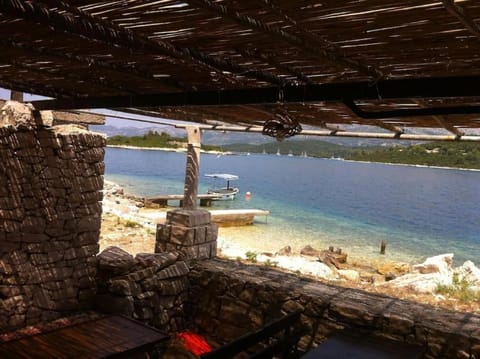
{"points": [[313, 47], [443, 122], [460, 13], [84, 24], [371, 121]]}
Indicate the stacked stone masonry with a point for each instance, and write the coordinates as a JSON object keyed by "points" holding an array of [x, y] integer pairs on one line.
{"points": [[229, 299], [51, 181], [151, 288], [189, 232]]}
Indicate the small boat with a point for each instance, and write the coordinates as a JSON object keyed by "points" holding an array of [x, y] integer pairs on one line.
{"points": [[225, 193]]}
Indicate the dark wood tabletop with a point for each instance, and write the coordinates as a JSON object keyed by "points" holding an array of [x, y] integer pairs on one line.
{"points": [[100, 338]]}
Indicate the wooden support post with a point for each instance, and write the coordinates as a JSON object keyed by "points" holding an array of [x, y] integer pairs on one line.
{"points": [[383, 246], [16, 96], [193, 165]]}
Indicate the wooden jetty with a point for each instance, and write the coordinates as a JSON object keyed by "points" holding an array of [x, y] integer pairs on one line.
{"points": [[224, 218], [162, 200], [236, 217]]}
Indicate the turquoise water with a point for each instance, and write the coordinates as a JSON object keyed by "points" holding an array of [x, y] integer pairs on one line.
{"points": [[419, 211]]}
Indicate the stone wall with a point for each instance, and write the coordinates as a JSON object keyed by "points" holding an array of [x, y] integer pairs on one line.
{"points": [[50, 214], [229, 299], [151, 288]]}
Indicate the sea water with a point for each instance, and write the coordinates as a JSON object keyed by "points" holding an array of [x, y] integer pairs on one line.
{"points": [[419, 211]]}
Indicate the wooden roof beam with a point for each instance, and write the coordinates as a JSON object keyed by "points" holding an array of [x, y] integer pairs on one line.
{"points": [[442, 122], [460, 13], [309, 45], [428, 87], [345, 134], [84, 24]]}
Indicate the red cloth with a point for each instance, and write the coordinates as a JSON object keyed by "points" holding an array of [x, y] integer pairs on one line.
{"points": [[194, 343]]}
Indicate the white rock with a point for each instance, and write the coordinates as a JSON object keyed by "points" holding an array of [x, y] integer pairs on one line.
{"points": [[422, 283], [349, 274], [305, 266], [438, 264], [469, 272]]}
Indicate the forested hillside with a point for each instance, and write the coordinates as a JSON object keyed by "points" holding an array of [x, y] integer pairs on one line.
{"points": [[444, 154]]}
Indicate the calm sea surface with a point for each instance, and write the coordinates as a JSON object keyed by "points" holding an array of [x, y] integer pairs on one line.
{"points": [[419, 211]]}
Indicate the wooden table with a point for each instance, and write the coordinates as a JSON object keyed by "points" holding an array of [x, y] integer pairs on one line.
{"points": [[112, 336], [363, 346]]}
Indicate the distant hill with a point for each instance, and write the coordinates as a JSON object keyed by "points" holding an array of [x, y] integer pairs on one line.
{"points": [[442, 154], [314, 148]]}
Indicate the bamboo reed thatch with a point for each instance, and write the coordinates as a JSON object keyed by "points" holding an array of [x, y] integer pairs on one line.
{"points": [[207, 60]]}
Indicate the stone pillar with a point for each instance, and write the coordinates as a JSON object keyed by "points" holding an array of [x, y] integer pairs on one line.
{"points": [[192, 170], [189, 232]]}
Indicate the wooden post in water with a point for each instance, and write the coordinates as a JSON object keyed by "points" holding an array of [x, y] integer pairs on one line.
{"points": [[383, 246], [193, 164], [16, 96]]}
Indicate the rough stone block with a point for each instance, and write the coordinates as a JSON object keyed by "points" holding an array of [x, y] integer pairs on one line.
{"points": [[139, 275], [179, 269], [42, 300], [182, 235], [112, 304], [89, 224], [86, 298], [188, 218], [143, 313], [206, 250], [115, 260], [200, 234], [8, 291], [151, 284], [124, 287], [163, 232], [17, 320], [86, 282], [211, 232], [5, 266], [16, 304], [173, 287]]}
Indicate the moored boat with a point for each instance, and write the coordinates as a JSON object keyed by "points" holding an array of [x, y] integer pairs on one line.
{"points": [[225, 193]]}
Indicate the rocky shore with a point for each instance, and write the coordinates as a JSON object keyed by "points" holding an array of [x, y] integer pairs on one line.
{"points": [[128, 225]]}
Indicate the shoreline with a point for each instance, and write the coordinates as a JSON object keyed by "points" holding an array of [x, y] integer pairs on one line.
{"points": [[165, 149], [228, 153], [124, 225]]}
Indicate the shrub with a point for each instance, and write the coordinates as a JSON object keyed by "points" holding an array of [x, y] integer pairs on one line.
{"points": [[251, 256]]}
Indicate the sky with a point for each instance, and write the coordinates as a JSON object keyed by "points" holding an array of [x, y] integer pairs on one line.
{"points": [[111, 121]]}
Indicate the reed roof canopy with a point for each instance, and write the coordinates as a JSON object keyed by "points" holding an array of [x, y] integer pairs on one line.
{"points": [[279, 64]]}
